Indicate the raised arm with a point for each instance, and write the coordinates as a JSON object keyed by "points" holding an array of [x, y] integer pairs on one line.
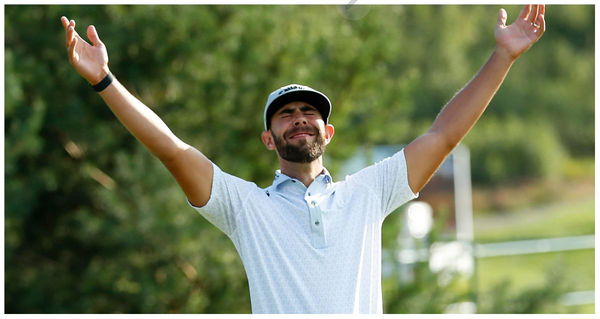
{"points": [[192, 170], [426, 153]]}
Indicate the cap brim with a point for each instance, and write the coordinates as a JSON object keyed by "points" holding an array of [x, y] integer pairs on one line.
{"points": [[313, 98]]}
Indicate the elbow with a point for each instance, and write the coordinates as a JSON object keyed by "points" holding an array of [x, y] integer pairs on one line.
{"points": [[451, 143], [445, 141], [172, 152]]}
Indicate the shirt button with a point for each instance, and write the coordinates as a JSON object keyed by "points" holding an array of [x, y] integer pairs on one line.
{"points": [[313, 203], [308, 193], [317, 223], [293, 181]]}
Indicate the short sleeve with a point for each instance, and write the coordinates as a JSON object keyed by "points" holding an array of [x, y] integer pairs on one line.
{"points": [[388, 180], [226, 200]]}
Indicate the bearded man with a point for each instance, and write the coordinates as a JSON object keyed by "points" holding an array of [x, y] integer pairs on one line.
{"points": [[308, 244]]}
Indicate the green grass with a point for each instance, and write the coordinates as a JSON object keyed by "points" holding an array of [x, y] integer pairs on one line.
{"points": [[557, 220], [581, 309], [524, 271], [578, 168]]}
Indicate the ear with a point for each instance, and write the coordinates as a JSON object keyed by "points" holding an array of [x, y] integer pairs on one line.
{"points": [[267, 139], [329, 131]]}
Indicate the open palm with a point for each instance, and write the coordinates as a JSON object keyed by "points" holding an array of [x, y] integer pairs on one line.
{"points": [[90, 61], [523, 33]]}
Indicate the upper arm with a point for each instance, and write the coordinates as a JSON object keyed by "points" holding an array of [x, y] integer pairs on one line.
{"points": [[194, 174], [424, 156]]}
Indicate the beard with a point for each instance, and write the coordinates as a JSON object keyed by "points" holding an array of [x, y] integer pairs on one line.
{"points": [[305, 151]]}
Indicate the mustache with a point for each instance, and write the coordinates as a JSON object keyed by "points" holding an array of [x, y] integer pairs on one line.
{"points": [[308, 129]]}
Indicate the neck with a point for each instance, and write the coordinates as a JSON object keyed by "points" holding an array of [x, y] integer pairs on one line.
{"points": [[304, 172]]}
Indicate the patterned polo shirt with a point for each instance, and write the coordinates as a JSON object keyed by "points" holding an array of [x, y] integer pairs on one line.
{"points": [[314, 249]]}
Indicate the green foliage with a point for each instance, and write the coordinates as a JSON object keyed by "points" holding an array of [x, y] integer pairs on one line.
{"points": [[536, 299], [533, 149], [94, 223], [425, 294]]}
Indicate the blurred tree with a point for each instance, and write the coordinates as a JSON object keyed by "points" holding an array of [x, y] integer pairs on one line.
{"points": [[94, 223]]}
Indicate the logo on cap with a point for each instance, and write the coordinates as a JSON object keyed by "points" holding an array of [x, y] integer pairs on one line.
{"points": [[289, 88]]}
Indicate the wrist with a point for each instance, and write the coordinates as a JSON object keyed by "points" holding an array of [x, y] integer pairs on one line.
{"points": [[104, 83], [96, 78], [503, 55]]}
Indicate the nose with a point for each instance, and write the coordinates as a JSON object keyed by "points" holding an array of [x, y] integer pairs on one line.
{"points": [[299, 119]]}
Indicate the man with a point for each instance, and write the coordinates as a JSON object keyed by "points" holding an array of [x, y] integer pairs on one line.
{"points": [[308, 244]]}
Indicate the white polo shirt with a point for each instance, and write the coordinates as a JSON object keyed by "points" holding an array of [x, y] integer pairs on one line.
{"points": [[315, 249]]}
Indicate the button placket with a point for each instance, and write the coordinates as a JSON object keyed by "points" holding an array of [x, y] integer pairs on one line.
{"points": [[316, 224], [313, 197]]}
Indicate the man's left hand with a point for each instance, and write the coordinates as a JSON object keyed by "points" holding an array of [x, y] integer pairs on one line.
{"points": [[516, 38]]}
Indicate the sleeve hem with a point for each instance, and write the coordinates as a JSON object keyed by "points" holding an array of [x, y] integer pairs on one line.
{"points": [[413, 194], [216, 171]]}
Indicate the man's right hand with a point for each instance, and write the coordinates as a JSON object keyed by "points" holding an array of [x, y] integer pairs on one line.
{"points": [[90, 61], [192, 170]]}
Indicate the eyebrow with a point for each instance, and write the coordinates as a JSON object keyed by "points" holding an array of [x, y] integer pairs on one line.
{"points": [[303, 108]]}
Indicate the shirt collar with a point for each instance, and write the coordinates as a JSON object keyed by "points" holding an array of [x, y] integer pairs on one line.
{"points": [[281, 177]]}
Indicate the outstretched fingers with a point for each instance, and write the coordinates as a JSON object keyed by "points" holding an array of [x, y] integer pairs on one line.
{"points": [[525, 12], [65, 22], [70, 33], [534, 13], [532, 16], [92, 34], [73, 56], [540, 21]]}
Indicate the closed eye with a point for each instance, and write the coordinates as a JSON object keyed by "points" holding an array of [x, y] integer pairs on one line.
{"points": [[308, 109]]}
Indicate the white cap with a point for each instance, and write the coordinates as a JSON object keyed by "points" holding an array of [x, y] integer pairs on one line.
{"points": [[296, 92]]}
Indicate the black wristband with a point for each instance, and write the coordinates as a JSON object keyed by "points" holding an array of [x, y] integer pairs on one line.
{"points": [[104, 83]]}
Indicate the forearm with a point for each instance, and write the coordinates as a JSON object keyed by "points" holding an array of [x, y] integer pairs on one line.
{"points": [[462, 112], [142, 122]]}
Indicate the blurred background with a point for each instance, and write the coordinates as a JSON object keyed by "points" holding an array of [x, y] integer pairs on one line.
{"points": [[95, 224]]}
